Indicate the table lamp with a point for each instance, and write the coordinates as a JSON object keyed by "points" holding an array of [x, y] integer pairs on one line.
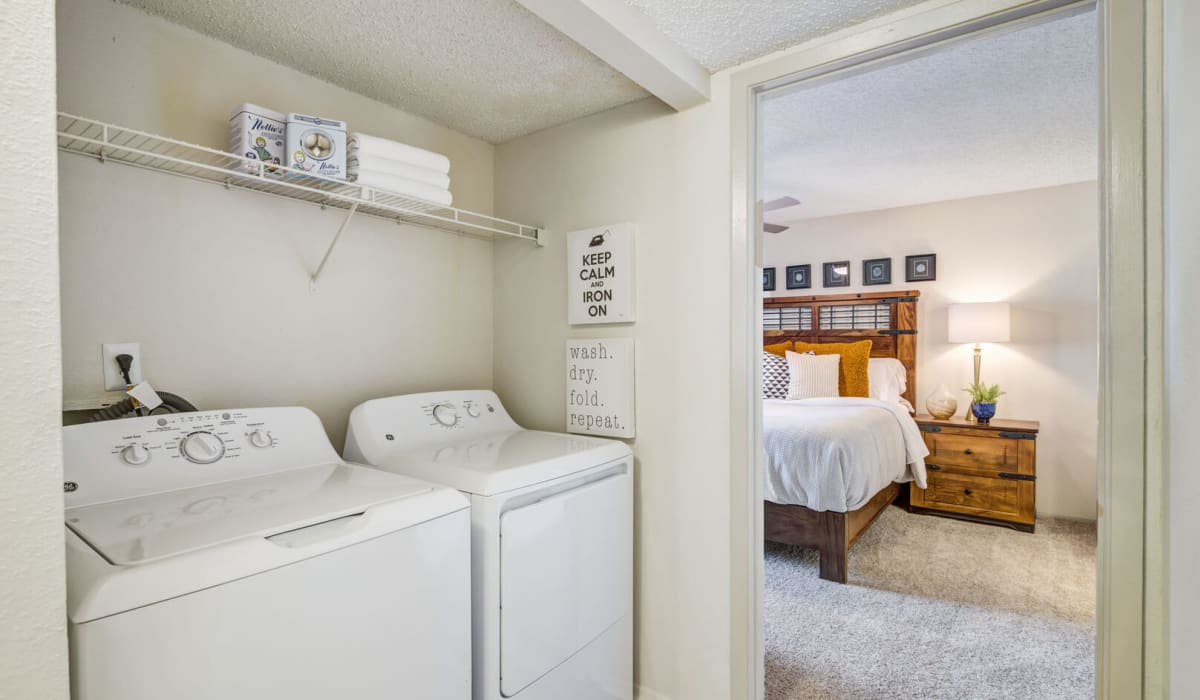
{"points": [[979, 323]]}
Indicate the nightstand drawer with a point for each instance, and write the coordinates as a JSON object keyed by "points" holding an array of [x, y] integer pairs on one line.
{"points": [[983, 496], [973, 452]]}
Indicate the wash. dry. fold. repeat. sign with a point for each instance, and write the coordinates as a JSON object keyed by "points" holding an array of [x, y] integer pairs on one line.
{"points": [[600, 387], [600, 275]]}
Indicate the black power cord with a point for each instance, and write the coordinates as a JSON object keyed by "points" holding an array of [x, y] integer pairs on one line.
{"points": [[127, 406]]}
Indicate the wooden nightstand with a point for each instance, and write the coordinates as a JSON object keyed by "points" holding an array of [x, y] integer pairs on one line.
{"points": [[985, 473]]}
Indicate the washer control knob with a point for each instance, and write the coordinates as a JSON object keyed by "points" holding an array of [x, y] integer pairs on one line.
{"points": [[202, 447], [473, 411], [446, 414], [260, 438], [135, 455]]}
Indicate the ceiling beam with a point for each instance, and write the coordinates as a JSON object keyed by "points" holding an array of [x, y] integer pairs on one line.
{"points": [[624, 38]]}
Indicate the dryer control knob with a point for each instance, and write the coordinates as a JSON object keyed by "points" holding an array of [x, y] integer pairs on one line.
{"points": [[473, 411], [202, 447], [260, 438], [135, 455], [446, 414]]}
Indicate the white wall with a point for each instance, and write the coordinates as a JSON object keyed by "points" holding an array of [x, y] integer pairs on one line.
{"points": [[1182, 143], [33, 643], [1039, 250], [668, 173], [214, 284]]}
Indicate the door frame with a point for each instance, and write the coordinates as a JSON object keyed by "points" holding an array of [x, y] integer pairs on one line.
{"points": [[1129, 620]]}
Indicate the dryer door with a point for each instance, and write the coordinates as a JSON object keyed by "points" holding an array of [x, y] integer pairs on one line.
{"points": [[566, 575]]}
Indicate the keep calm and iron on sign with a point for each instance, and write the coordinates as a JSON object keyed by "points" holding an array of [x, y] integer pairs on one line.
{"points": [[600, 387], [600, 275]]}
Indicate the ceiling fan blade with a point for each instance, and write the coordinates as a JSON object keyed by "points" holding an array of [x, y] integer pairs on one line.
{"points": [[781, 203], [775, 228]]}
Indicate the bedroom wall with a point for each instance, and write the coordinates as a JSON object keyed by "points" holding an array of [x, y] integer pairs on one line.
{"points": [[214, 283], [1039, 250], [33, 636]]}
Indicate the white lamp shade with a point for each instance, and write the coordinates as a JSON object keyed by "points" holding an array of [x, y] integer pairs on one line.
{"points": [[980, 323]]}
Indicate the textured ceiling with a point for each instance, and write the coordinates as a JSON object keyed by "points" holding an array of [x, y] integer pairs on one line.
{"points": [[488, 68], [1003, 112], [723, 33]]}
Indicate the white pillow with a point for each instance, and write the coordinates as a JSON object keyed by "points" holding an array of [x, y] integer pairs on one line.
{"points": [[812, 376], [887, 378]]}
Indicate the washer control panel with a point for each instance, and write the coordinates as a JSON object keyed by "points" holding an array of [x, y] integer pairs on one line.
{"points": [[117, 459]]}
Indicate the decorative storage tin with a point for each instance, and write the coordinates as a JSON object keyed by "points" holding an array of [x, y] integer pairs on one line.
{"points": [[259, 133], [316, 146]]}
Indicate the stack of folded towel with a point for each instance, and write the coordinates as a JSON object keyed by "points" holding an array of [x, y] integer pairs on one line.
{"points": [[398, 167]]}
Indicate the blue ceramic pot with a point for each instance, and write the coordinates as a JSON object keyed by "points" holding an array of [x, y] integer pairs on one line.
{"points": [[983, 411]]}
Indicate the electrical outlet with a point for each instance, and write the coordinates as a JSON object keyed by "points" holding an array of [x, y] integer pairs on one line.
{"points": [[113, 381]]}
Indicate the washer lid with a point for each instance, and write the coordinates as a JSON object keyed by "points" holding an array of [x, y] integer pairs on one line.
{"points": [[490, 464], [149, 528]]}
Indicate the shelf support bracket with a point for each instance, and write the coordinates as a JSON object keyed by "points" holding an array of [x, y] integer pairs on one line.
{"points": [[312, 283]]}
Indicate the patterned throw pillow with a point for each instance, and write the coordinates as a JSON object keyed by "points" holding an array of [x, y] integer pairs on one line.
{"points": [[775, 376]]}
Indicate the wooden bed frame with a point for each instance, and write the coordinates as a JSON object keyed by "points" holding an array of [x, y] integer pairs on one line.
{"points": [[892, 317]]}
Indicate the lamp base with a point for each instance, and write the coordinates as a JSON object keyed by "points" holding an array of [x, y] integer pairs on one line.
{"points": [[978, 357]]}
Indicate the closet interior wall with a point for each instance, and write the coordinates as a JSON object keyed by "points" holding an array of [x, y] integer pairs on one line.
{"points": [[213, 283]]}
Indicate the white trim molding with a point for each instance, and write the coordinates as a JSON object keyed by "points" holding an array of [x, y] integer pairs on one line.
{"points": [[642, 692]]}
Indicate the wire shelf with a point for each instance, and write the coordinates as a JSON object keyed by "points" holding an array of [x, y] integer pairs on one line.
{"points": [[109, 142]]}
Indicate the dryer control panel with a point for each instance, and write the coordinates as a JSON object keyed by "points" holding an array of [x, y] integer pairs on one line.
{"points": [[423, 419], [110, 460]]}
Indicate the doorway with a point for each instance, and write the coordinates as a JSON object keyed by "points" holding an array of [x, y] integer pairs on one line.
{"points": [[1122, 464]]}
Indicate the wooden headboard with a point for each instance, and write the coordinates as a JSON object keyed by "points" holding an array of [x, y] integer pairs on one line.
{"points": [[887, 319]]}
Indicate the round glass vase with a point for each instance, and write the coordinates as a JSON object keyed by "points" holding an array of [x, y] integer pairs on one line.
{"points": [[941, 404]]}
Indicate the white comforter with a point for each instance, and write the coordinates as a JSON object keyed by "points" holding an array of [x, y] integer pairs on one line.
{"points": [[836, 454]]}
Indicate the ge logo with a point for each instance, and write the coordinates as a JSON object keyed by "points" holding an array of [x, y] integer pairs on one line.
{"points": [[70, 487]]}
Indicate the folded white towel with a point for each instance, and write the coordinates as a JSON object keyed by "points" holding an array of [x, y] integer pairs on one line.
{"points": [[366, 161], [404, 186], [365, 143]]}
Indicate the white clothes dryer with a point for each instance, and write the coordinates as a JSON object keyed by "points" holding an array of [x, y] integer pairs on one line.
{"points": [[552, 538], [233, 554]]}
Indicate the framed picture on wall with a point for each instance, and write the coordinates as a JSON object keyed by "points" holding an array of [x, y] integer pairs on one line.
{"points": [[920, 268], [768, 279], [799, 276], [837, 274], [877, 271]]}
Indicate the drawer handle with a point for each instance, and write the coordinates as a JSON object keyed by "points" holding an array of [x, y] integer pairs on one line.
{"points": [[966, 492], [1017, 477], [968, 451], [1018, 436], [933, 467]]}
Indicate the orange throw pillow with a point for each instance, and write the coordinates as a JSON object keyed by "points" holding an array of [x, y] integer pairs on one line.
{"points": [[778, 348], [852, 377]]}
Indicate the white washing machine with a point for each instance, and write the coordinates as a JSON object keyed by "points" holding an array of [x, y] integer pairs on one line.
{"points": [[232, 554], [552, 538]]}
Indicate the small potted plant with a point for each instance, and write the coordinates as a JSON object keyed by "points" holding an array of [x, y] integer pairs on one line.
{"points": [[983, 400]]}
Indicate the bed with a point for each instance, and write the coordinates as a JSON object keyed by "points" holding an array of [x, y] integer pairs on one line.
{"points": [[838, 456]]}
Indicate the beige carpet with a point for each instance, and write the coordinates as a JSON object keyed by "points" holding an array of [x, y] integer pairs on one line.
{"points": [[936, 608]]}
